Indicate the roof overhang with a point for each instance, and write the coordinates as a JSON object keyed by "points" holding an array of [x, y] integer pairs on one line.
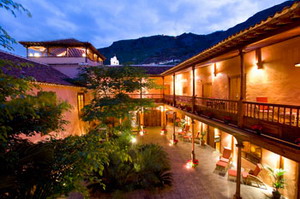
{"points": [[284, 23]]}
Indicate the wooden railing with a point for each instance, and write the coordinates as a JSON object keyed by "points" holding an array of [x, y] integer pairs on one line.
{"points": [[276, 113], [278, 120], [183, 100], [230, 106], [168, 99]]}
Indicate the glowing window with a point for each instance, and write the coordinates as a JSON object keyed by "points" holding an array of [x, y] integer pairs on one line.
{"points": [[80, 101]]}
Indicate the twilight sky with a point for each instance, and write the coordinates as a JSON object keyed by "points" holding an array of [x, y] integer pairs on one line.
{"points": [[102, 22]]}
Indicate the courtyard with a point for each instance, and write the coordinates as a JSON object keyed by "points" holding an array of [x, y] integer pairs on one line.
{"points": [[202, 182]]}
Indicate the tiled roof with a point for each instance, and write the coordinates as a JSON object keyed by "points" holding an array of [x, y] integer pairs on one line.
{"points": [[154, 70], [40, 72], [286, 17]]}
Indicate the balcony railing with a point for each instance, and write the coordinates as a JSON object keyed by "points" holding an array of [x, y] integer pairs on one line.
{"points": [[278, 120]]}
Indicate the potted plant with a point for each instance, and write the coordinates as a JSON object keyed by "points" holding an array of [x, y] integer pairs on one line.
{"points": [[192, 164], [203, 133], [277, 181], [257, 128], [227, 119], [209, 115]]}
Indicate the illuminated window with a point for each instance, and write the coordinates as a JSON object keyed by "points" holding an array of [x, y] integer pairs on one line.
{"points": [[252, 153], [80, 101]]}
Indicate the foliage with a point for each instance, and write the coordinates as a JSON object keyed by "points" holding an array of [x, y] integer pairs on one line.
{"points": [[49, 169], [112, 87], [6, 40], [146, 167], [278, 181]]}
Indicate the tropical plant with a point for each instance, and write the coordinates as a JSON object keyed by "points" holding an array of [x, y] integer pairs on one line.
{"points": [[278, 181], [145, 167]]}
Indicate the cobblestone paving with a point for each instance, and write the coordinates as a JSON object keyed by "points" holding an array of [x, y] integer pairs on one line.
{"points": [[199, 183]]}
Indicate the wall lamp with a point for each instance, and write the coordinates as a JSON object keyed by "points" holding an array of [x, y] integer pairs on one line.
{"points": [[215, 69], [297, 65], [259, 62]]}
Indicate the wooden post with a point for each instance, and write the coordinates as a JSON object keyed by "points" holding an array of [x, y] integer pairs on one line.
{"points": [[194, 91], [193, 141], [174, 94], [237, 194], [298, 182], [86, 54], [163, 90], [242, 90], [174, 119], [27, 51]]}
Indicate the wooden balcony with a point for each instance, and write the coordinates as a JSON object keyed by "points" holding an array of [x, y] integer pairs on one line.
{"points": [[158, 98], [275, 120]]}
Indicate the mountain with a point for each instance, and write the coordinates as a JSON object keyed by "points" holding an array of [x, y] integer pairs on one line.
{"points": [[161, 49]]}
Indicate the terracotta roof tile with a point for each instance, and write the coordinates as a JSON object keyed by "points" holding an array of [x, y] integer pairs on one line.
{"points": [[40, 72]]}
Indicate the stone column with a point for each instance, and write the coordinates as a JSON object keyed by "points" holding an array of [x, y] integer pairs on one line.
{"points": [[237, 194]]}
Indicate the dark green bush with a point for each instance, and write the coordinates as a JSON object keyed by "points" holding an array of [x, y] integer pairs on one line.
{"points": [[147, 168]]}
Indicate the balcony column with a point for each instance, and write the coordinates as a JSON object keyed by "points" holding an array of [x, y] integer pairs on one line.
{"points": [[298, 182], [86, 54], [237, 194], [194, 91], [27, 52], [174, 119], [163, 117], [193, 141], [242, 90], [174, 94], [163, 90]]}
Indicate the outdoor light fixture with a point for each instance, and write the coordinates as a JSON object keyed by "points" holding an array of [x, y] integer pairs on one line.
{"points": [[133, 140], [36, 54], [83, 55], [215, 69], [259, 62], [297, 65]]}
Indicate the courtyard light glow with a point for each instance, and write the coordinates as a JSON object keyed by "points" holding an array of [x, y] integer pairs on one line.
{"points": [[133, 140]]}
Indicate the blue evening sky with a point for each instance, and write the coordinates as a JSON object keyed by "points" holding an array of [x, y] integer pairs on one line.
{"points": [[102, 22]]}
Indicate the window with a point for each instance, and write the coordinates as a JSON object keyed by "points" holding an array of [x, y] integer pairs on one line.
{"points": [[80, 101], [252, 153]]}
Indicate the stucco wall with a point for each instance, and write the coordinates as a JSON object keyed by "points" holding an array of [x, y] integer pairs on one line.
{"points": [[68, 94], [279, 78]]}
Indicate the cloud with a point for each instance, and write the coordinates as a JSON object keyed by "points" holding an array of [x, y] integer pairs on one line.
{"points": [[103, 21]]}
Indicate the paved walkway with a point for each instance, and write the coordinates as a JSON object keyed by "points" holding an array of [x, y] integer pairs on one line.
{"points": [[199, 183]]}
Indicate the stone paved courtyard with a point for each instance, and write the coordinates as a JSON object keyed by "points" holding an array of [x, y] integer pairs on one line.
{"points": [[199, 183]]}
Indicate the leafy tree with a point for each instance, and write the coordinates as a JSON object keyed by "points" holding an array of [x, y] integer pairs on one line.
{"points": [[112, 87], [6, 40]]}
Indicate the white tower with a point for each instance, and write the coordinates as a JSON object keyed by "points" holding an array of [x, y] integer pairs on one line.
{"points": [[114, 61]]}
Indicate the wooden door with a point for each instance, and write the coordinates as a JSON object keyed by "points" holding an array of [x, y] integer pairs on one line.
{"points": [[152, 117], [234, 88]]}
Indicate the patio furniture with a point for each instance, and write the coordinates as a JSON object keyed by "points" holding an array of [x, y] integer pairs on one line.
{"points": [[226, 155], [253, 179], [232, 173], [221, 166], [184, 130]]}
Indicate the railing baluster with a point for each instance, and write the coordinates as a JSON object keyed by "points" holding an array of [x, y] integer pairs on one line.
{"points": [[284, 111], [290, 116], [297, 116]]}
